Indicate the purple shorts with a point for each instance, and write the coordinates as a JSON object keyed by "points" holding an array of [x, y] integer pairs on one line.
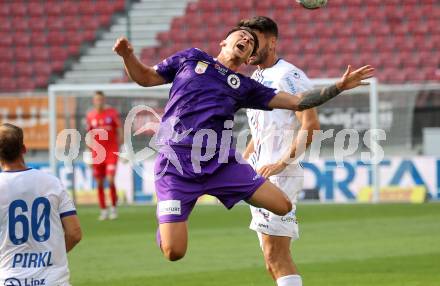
{"points": [[177, 193]]}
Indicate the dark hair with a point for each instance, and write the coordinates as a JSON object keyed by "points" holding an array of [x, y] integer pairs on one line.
{"points": [[99, 92], [239, 28], [11, 142], [262, 24]]}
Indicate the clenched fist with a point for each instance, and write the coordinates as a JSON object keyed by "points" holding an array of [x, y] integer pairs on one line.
{"points": [[123, 47]]}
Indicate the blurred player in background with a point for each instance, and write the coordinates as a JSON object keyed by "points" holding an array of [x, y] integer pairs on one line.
{"points": [[38, 221], [103, 117], [269, 151], [205, 94]]}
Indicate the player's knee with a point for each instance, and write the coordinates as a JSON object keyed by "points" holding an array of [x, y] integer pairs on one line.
{"points": [[100, 183], [284, 208], [289, 206], [111, 180], [173, 254]]}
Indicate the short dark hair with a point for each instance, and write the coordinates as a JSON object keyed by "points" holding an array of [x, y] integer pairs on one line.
{"points": [[99, 92], [11, 142], [262, 24], [240, 28]]}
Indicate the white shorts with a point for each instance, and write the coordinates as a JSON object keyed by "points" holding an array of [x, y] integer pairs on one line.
{"points": [[264, 221]]}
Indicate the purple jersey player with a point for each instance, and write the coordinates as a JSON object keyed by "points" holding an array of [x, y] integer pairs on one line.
{"points": [[205, 94]]}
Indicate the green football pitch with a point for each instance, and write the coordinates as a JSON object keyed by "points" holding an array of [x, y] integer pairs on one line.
{"points": [[389, 245]]}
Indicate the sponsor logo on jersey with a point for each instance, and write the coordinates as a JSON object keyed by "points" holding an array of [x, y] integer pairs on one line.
{"points": [[263, 225], [256, 177], [201, 67], [220, 69], [26, 282], [291, 84], [234, 81], [169, 207], [289, 218], [264, 213], [12, 282]]}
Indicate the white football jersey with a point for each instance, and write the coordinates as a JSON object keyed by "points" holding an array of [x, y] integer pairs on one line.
{"points": [[32, 246], [274, 131]]}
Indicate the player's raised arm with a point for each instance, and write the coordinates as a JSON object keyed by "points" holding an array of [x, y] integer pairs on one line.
{"points": [[316, 97], [137, 71]]}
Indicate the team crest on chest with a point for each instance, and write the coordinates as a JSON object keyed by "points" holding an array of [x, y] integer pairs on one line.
{"points": [[201, 67], [234, 81]]}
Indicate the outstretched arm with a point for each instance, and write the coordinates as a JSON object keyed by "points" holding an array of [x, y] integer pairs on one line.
{"points": [[309, 123], [316, 97], [137, 71]]}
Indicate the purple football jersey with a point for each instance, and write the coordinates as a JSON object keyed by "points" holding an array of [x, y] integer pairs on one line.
{"points": [[204, 94]]}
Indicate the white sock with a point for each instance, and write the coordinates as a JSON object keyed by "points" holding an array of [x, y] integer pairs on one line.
{"points": [[290, 280]]}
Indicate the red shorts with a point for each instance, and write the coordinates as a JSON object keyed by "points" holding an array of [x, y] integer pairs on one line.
{"points": [[107, 167]]}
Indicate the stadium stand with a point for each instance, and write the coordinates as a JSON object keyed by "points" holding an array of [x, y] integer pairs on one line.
{"points": [[147, 18], [39, 39], [401, 41]]}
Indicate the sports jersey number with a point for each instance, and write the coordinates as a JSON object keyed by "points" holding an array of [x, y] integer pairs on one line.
{"points": [[37, 220]]}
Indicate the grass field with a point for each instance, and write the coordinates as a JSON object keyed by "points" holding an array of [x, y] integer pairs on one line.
{"points": [[387, 245]]}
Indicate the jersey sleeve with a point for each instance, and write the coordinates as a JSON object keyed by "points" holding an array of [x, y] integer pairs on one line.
{"points": [[66, 206], [168, 68], [258, 96], [295, 81]]}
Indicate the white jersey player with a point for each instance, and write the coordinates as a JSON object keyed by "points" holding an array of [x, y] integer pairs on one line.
{"points": [[38, 220], [274, 141], [273, 133]]}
